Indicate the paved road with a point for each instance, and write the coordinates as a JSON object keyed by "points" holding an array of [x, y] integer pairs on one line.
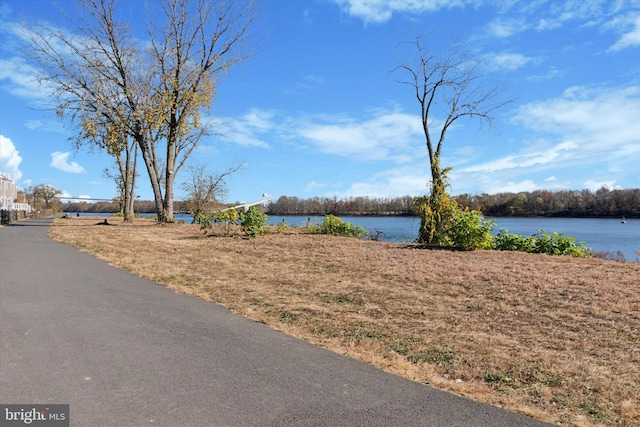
{"points": [[124, 351]]}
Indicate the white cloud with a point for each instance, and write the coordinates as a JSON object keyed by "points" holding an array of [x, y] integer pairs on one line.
{"points": [[386, 135], [381, 11], [33, 124], [17, 77], [629, 39], [313, 186], [541, 16], [595, 128], [401, 181], [596, 185], [504, 28], [59, 161], [378, 135], [508, 61], [10, 158], [513, 187], [542, 155], [551, 73], [246, 130], [604, 120]]}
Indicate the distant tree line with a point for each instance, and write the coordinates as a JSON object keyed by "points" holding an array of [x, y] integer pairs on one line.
{"points": [[562, 203], [398, 206]]}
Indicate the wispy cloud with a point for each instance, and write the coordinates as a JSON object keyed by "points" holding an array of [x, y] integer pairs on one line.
{"points": [[603, 119], [541, 16], [248, 129], [595, 129], [60, 161], [631, 36], [18, 79], [399, 181], [596, 185], [543, 156], [384, 135], [309, 82], [380, 11], [377, 135], [551, 73], [506, 27], [508, 61]]}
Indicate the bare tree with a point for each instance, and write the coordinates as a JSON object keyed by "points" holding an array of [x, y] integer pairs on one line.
{"points": [[110, 83], [447, 91], [48, 193], [205, 190]]}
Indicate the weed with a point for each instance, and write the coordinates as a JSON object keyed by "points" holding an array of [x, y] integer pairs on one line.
{"points": [[326, 298], [432, 355], [342, 299], [253, 221], [552, 380], [498, 379], [348, 299], [402, 346], [287, 317]]}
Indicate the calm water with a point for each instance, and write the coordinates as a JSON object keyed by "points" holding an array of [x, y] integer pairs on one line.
{"points": [[599, 234]]}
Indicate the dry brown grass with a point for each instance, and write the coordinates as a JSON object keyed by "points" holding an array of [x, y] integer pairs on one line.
{"points": [[556, 338]]}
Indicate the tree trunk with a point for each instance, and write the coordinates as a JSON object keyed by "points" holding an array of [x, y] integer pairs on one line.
{"points": [[170, 173], [130, 183], [126, 205], [152, 171]]}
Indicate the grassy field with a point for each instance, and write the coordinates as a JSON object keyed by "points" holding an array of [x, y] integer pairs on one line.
{"points": [[555, 338]]}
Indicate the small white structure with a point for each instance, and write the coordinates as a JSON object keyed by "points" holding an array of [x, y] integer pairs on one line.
{"points": [[245, 206], [8, 192]]}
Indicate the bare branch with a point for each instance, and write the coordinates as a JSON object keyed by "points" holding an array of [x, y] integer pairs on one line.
{"points": [[448, 88]]}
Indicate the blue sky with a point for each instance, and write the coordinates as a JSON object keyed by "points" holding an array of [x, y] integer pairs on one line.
{"points": [[318, 111]]}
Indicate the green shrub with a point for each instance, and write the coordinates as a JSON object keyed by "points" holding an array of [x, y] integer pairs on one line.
{"points": [[558, 244], [541, 243], [469, 230], [337, 227], [506, 241], [203, 219], [253, 221], [227, 219], [282, 226]]}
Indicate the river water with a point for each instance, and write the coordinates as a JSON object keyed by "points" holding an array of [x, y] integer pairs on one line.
{"points": [[599, 234]]}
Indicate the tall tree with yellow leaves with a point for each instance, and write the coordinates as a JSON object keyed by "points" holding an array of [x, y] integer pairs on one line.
{"points": [[112, 82]]}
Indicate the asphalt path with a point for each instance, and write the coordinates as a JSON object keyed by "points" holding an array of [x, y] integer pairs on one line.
{"points": [[124, 351]]}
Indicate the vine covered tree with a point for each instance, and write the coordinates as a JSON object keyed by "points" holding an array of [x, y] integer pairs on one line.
{"points": [[112, 82], [447, 91]]}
